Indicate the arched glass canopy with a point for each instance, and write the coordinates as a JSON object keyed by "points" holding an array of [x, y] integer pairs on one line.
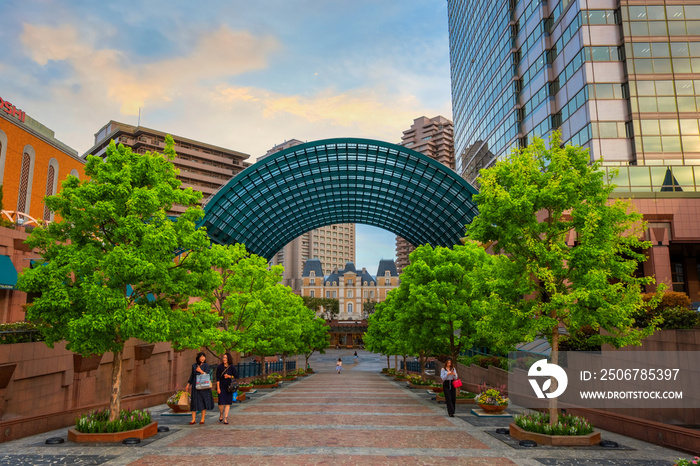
{"points": [[340, 181]]}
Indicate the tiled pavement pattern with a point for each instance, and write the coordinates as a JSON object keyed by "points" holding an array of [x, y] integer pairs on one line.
{"points": [[358, 417]]}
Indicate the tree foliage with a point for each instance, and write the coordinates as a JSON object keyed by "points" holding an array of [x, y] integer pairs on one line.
{"points": [[329, 306], [109, 268], [576, 252]]}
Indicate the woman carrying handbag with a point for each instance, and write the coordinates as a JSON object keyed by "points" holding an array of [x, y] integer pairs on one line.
{"points": [[202, 399], [450, 381], [225, 385]]}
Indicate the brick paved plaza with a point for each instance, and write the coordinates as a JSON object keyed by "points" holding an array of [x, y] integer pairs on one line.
{"points": [[357, 417]]}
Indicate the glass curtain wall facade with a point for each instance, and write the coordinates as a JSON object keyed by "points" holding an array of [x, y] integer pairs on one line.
{"points": [[618, 78]]}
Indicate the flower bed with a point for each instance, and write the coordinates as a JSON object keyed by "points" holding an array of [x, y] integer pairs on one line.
{"points": [[567, 425], [97, 422], [492, 397], [555, 440], [682, 462], [95, 427], [267, 382]]}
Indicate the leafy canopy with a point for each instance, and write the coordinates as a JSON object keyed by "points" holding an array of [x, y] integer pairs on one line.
{"points": [[109, 268]]}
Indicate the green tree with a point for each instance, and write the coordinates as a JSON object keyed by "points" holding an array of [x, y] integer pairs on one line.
{"points": [[329, 307], [110, 272], [445, 300], [314, 337], [378, 337], [576, 251]]}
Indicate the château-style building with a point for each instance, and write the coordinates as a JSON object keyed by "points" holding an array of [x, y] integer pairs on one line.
{"points": [[353, 289]]}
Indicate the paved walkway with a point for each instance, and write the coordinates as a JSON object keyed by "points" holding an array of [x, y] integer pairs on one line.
{"points": [[356, 417]]}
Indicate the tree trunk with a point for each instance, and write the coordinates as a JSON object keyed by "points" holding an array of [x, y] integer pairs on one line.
{"points": [[396, 362], [422, 358], [388, 362], [296, 361], [405, 366], [284, 364], [115, 397], [263, 370], [553, 415], [307, 361]]}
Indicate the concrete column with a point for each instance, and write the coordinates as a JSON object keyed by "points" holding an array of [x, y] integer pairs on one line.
{"points": [[659, 262]]}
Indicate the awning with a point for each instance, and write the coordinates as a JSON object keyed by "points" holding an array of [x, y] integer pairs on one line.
{"points": [[8, 273]]}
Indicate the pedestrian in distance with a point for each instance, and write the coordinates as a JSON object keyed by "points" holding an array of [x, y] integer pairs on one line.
{"points": [[201, 399], [339, 365], [448, 374], [225, 375], [355, 357]]}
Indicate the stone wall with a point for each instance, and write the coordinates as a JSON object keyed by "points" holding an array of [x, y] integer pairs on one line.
{"points": [[43, 388]]}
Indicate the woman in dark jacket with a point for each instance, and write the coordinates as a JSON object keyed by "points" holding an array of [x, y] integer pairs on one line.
{"points": [[225, 374], [201, 399]]}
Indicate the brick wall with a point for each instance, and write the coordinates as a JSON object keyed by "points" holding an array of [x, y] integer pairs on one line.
{"points": [[48, 389]]}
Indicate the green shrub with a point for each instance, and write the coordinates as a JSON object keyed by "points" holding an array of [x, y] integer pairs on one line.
{"points": [[566, 425], [22, 332], [265, 381], [97, 422], [674, 310], [580, 340]]}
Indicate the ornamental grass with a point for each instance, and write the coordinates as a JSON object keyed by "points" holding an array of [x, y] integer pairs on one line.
{"points": [[566, 425], [97, 422]]}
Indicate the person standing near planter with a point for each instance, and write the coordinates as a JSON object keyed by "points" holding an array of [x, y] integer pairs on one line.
{"points": [[448, 374], [339, 365], [225, 375], [355, 357], [202, 399]]}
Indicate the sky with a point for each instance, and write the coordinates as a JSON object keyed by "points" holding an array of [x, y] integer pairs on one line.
{"points": [[244, 75]]}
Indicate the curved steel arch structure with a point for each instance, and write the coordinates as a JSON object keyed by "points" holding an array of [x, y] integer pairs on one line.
{"points": [[340, 181]]}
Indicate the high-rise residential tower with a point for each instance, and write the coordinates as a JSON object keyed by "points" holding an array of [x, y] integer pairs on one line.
{"points": [[203, 167], [621, 78], [432, 137], [333, 245]]}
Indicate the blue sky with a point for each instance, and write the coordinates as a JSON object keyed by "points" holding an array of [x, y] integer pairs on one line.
{"points": [[239, 74]]}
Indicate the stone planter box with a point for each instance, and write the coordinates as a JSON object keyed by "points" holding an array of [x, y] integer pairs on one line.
{"points": [[555, 440], [145, 432], [272, 385], [458, 401], [288, 379], [240, 397]]}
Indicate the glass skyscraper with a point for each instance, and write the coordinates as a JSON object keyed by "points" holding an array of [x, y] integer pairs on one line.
{"points": [[619, 78]]}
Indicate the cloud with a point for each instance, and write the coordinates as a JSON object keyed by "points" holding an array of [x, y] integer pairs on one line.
{"points": [[217, 54]]}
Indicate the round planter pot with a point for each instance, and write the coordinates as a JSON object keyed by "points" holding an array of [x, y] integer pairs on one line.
{"points": [[491, 409], [145, 432], [459, 401], [240, 397], [272, 385], [244, 389], [555, 440], [179, 408], [437, 389]]}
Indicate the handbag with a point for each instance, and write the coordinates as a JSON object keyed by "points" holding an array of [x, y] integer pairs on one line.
{"points": [[203, 382], [232, 386], [456, 383]]}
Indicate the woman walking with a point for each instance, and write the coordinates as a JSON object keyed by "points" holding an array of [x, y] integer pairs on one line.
{"points": [[339, 365], [355, 357], [448, 374], [225, 375], [202, 399]]}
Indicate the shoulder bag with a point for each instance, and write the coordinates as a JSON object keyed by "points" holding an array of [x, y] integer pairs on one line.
{"points": [[232, 386]]}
